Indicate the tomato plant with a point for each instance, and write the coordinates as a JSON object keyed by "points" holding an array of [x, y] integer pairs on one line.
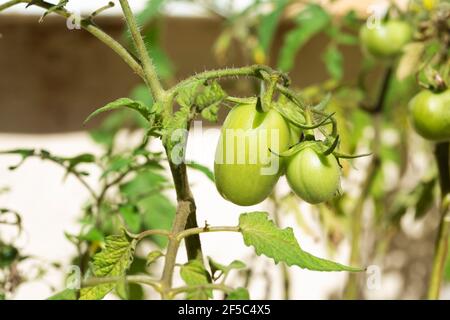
{"points": [[305, 133]]}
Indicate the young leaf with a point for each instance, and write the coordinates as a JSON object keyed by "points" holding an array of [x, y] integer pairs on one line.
{"points": [[119, 103], [280, 244], [193, 273], [239, 294], [210, 94], [310, 21], [112, 261]]}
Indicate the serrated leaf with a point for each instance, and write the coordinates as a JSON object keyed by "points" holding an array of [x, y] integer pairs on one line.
{"points": [[211, 113], [152, 256], [268, 24], [280, 244], [67, 294], [205, 170], [112, 261], [210, 94], [334, 62], [310, 21], [239, 294], [193, 273], [120, 103]]}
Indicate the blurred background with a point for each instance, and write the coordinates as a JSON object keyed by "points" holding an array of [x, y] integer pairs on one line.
{"points": [[53, 76]]}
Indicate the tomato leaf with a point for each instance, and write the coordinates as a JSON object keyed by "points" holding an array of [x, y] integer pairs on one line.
{"points": [[193, 273], [280, 244], [112, 261], [119, 103]]}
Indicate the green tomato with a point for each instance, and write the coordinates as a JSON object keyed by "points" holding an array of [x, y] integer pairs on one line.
{"points": [[312, 176], [430, 114], [245, 170], [386, 39]]}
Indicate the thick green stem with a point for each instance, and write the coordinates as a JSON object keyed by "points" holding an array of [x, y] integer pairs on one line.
{"points": [[441, 246], [150, 75]]}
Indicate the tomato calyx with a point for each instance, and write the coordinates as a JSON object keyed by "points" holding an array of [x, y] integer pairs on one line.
{"points": [[322, 147]]}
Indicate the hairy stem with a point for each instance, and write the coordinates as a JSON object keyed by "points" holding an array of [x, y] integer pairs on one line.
{"points": [[441, 246], [193, 231], [150, 75]]}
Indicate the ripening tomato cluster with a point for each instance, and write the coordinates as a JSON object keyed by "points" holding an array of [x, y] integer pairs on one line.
{"points": [[248, 164], [429, 109]]}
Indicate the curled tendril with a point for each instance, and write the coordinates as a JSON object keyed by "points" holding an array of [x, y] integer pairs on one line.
{"points": [[333, 147]]}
